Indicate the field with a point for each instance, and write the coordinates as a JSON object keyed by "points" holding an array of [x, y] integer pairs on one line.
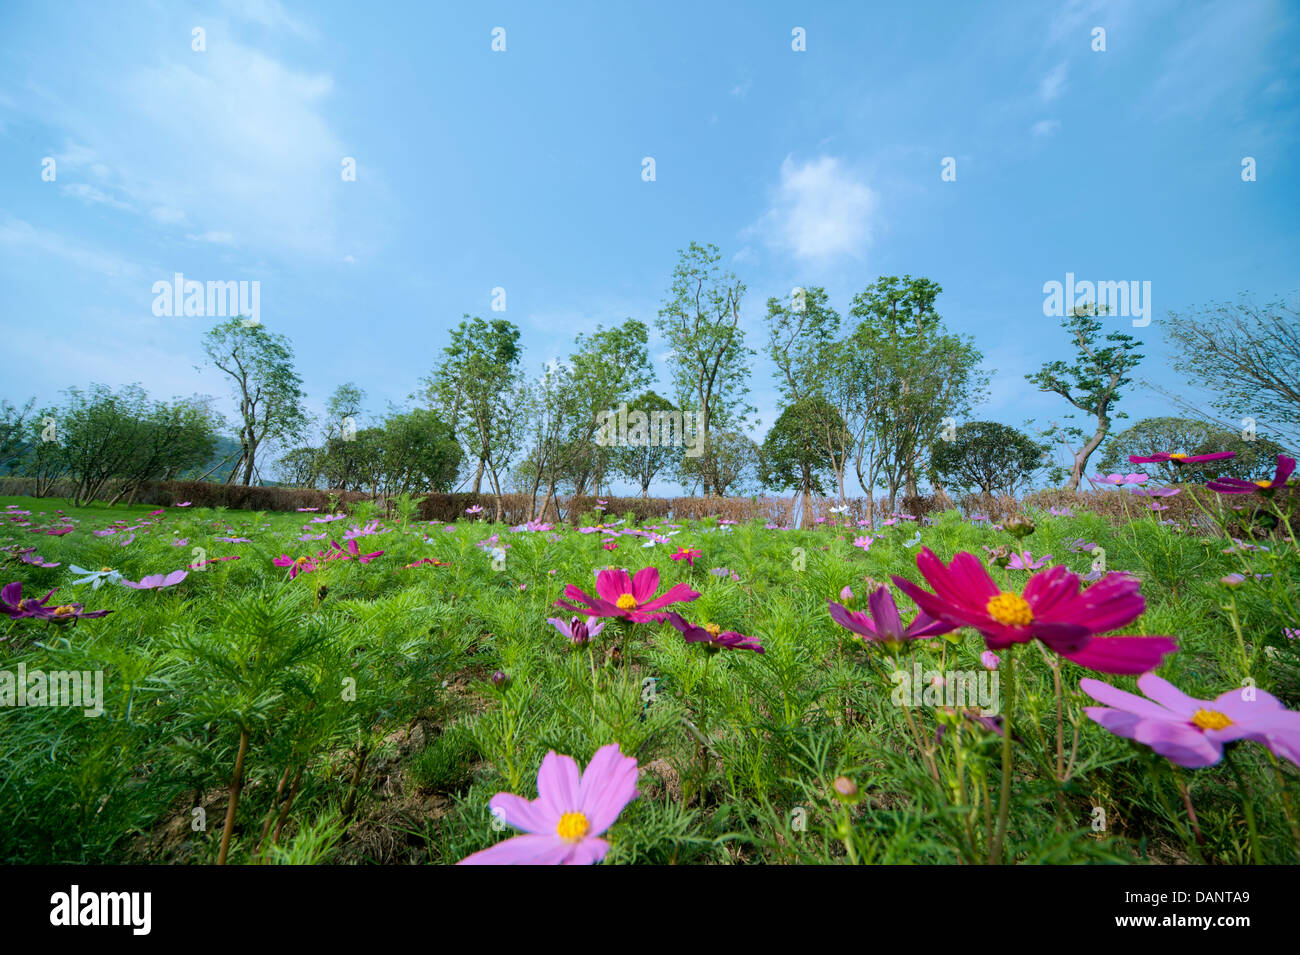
{"points": [[367, 709]]}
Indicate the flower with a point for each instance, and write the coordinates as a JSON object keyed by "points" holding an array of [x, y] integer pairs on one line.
{"points": [[1155, 491], [1192, 732], [71, 613], [863, 542], [883, 624], [712, 636], [95, 577], [989, 660], [577, 631], [29, 556], [1062, 512], [1120, 479], [609, 544], [158, 581], [1052, 610], [233, 540], [432, 561], [476, 509], [1285, 467], [300, 565], [1160, 457], [627, 597], [499, 679], [1025, 561], [564, 823], [846, 594], [686, 554], [13, 604]]}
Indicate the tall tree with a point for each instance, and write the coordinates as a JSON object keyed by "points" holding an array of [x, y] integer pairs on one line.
{"points": [[793, 456], [476, 370], [1248, 356], [1092, 383], [643, 461], [992, 457], [267, 388], [700, 321]]}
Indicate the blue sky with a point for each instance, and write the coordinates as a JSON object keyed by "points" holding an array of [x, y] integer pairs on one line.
{"points": [[522, 170]]}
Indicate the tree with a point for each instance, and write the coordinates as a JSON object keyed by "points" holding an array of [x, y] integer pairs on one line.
{"points": [[98, 431], [700, 321], [1254, 460], [642, 462], [793, 456], [14, 423], [1092, 383], [914, 374], [267, 388], [993, 457], [342, 409], [1249, 356], [420, 453], [476, 371]]}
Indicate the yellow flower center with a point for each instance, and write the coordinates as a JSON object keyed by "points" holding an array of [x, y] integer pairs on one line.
{"points": [[1178, 455], [1264, 483], [573, 826], [1210, 720], [301, 560], [64, 610], [625, 602], [1010, 609], [713, 629], [106, 570]]}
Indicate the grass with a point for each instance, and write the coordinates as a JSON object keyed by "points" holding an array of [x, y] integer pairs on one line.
{"points": [[360, 696]]}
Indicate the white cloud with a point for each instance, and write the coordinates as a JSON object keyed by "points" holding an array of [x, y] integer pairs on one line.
{"points": [[90, 195], [1045, 127], [1053, 84], [819, 212], [26, 239], [216, 236]]}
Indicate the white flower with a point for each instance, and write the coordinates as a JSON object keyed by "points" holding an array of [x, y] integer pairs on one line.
{"points": [[95, 577]]}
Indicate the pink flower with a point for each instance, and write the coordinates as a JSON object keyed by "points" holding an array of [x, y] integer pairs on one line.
{"points": [[158, 581], [1052, 610], [1192, 732], [631, 598], [863, 542], [883, 624], [989, 659], [577, 631], [712, 636], [1025, 561], [1160, 457], [1120, 479], [686, 554], [1285, 468], [609, 544], [564, 823]]}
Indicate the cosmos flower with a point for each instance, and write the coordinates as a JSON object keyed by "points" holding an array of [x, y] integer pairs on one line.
{"points": [[1161, 457], [609, 544], [233, 540], [712, 636], [564, 823], [1156, 491], [631, 598], [1062, 512], [863, 542], [882, 623], [990, 660], [1120, 479], [157, 581], [1285, 467], [95, 577], [71, 613], [14, 606], [212, 560], [476, 509], [1192, 732], [29, 556], [578, 631], [298, 565], [1052, 609], [687, 554]]}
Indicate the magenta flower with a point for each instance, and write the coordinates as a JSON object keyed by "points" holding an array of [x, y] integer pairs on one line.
{"points": [[882, 623], [1052, 610], [686, 554], [576, 630], [712, 636], [1120, 479], [1161, 457], [158, 581], [1192, 732], [631, 598], [300, 565], [1285, 467], [1156, 491], [564, 823], [990, 660], [1025, 561], [13, 604], [863, 542]]}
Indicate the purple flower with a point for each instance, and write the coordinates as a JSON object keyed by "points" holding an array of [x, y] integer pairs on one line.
{"points": [[863, 542], [1192, 732], [13, 604], [1285, 468], [576, 630], [882, 623], [712, 636], [1025, 561], [989, 659], [158, 581], [564, 823]]}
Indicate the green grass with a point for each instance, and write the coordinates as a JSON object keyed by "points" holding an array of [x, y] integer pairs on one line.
{"points": [[374, 734]]}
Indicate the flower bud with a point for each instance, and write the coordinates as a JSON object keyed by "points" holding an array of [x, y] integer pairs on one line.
{"points": [[1019, 527], [846, 790], [499, 679]]}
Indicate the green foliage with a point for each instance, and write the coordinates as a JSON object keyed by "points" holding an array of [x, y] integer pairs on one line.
{"points": [[987, 456]]}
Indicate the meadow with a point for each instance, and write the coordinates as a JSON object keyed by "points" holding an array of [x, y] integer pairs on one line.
{"points": [[359, 688]]}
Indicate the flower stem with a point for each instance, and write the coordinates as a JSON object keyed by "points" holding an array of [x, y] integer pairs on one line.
{"points": [[1004, 797], [1246, 807]]}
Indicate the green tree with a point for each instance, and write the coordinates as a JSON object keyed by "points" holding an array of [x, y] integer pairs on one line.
{"points": [[793, 455], [992, 457], [476, 372], [1092, 383], [700, 321], [268, 390], [642, 462]]}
